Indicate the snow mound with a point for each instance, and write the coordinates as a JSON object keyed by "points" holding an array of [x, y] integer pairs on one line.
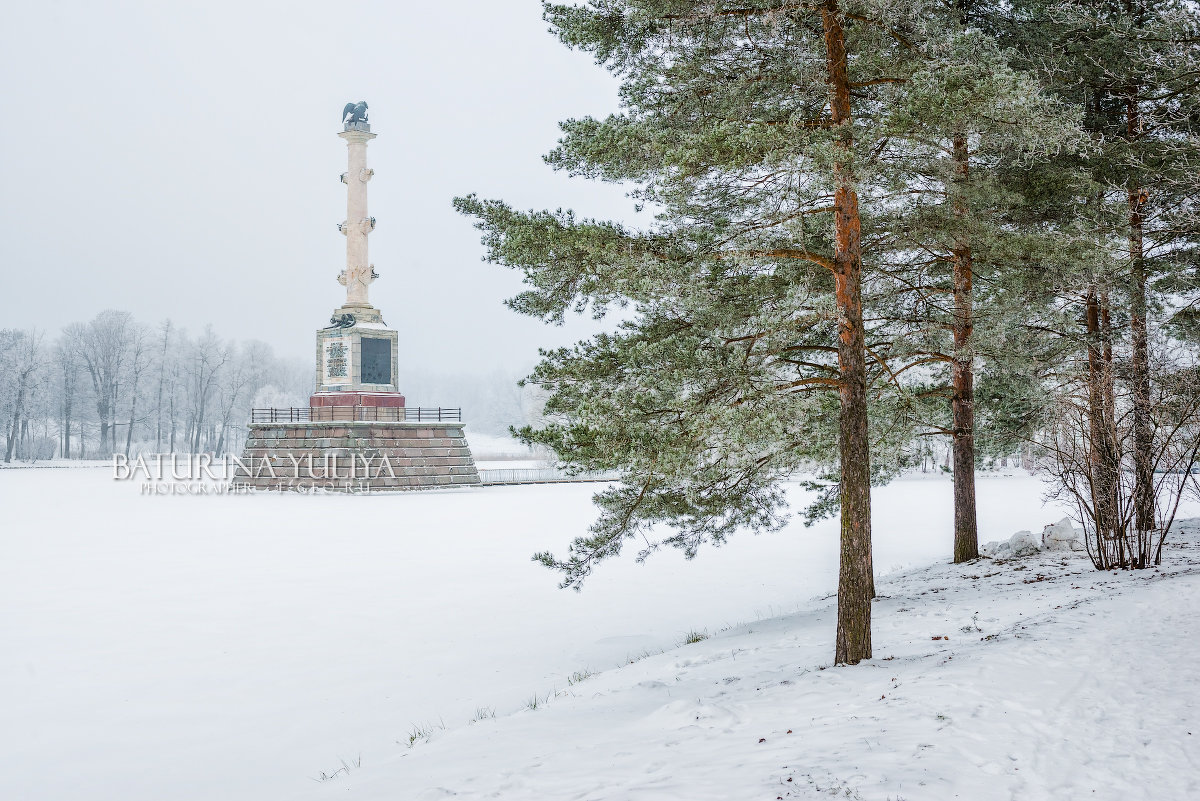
{"points": [[1060, 536]]}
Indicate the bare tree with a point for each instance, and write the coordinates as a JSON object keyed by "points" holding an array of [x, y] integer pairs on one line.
{"points": [[165, 339], [24, 354], [8, 384], [139, 354], [239, 379], [103, 344], [67, 361], [1092, 444], [207, 357], [175, 381]]}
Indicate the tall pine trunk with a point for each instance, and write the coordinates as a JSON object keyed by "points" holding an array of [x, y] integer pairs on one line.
{"points": [[962, 402], [1112, 440], [856, 586], [1103, 455], [1143, 432]]}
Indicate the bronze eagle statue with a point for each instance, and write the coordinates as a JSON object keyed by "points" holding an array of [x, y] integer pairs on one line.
{"points": [[354, 112]]}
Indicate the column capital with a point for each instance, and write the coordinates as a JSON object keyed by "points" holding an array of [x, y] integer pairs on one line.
{"points": [[357, 137]]}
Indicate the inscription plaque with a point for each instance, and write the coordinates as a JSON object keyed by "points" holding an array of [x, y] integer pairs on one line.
{"points": [[337, 361], [376, 360]]}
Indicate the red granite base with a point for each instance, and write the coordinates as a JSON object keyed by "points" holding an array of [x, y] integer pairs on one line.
{"points": [[355, 457], [391, 400]]}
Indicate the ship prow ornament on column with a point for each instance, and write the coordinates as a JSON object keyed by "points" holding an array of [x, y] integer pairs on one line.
{"points": [[356, 434]]}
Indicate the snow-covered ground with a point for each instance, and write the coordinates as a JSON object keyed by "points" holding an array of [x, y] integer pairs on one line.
{"points": [[241, 647], [43, 464], [1035, 678]]}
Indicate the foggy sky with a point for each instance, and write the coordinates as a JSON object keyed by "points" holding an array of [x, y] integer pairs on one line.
{"points": [[181, 160]]}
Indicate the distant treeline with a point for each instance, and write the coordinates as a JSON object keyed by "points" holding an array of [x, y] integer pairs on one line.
{"points": [[118, 385]]}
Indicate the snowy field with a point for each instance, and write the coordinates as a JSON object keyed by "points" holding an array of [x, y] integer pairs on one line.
{"points": [[243, 647]]}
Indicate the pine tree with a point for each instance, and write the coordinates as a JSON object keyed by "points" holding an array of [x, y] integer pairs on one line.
{"points": [[754, 129], [1133, 68], [965, 115]]}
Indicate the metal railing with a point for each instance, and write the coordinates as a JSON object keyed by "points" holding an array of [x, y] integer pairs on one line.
{"points": [[541, 475], [356, 414]]}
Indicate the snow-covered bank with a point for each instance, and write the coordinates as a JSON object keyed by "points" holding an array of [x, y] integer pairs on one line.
{"points": [[43, 464], [1035, 678], [237, 647]]}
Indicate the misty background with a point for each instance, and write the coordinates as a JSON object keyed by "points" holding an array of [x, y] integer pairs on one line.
{"points": [[181, 161]]}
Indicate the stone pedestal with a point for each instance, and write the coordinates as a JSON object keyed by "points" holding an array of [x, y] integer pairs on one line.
{"points": [[361, 358], [356, 456]]}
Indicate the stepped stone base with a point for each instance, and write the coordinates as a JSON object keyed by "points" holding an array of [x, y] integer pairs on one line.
{"points": [[356, 456]]}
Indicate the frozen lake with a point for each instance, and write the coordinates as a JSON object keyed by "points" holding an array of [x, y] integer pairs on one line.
{"points": [[236, 647]]}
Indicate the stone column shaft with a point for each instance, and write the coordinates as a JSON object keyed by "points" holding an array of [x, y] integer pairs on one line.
{"points": [[358, 223]]}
